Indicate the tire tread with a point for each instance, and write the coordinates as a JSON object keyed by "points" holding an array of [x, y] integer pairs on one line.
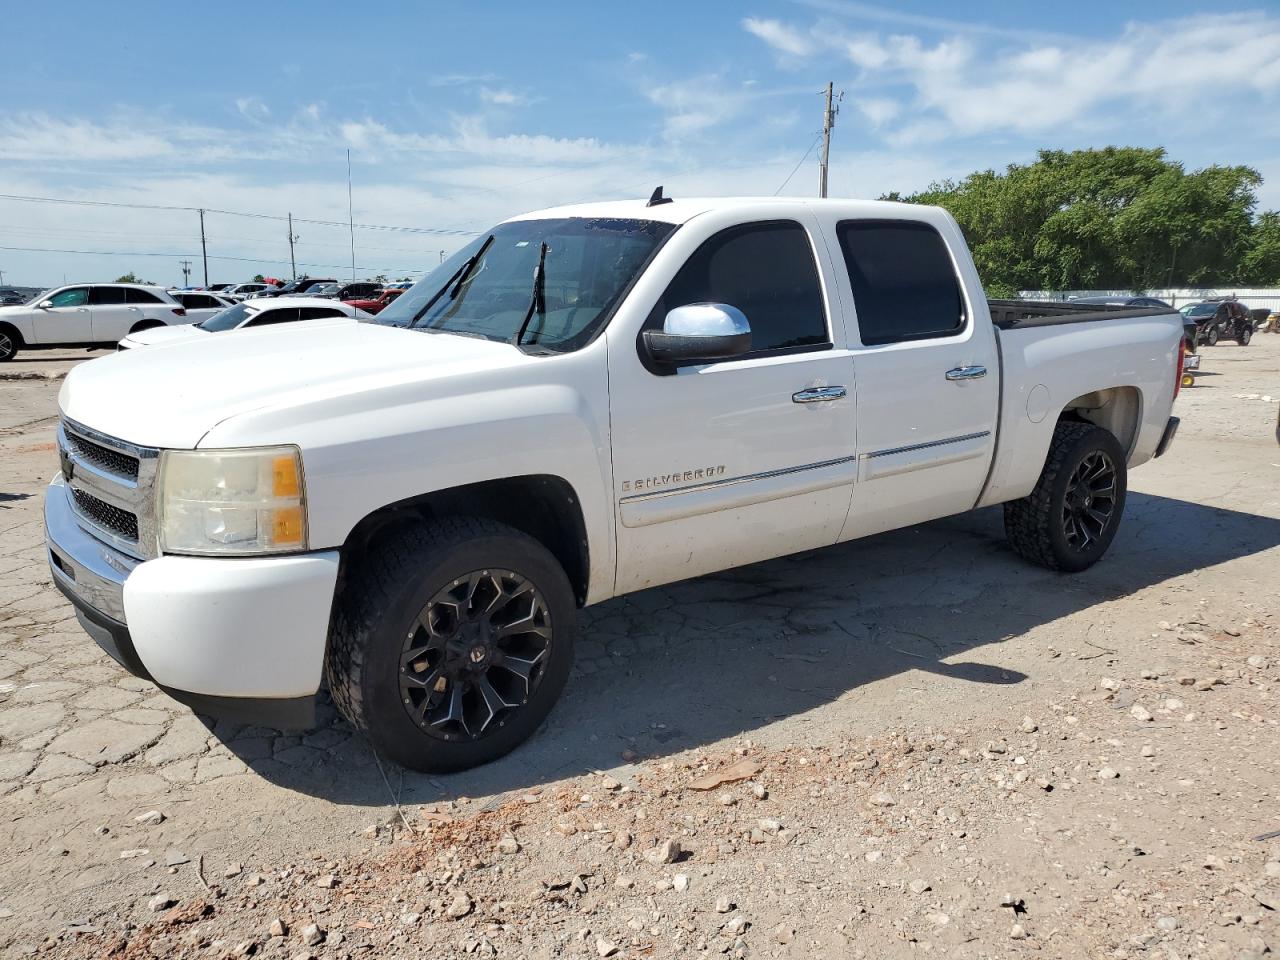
{"points": [[1026, 521]]}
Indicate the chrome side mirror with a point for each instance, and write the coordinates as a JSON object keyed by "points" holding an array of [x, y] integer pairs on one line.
{"points": [[699, 333]]}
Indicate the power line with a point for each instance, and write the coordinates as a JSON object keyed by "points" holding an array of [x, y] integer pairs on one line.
{"points": [[440, 231], [138, 253], [798, 165]]}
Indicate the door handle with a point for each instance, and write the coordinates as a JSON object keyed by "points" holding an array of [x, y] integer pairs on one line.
{"points": [[970, 372], [819, 394]]}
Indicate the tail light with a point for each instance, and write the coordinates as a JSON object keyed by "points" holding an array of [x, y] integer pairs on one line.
{"points": [[180, 311], [1182, 358]]}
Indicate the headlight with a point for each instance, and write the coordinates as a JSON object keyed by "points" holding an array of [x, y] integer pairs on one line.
{"points": [[218, 502]]}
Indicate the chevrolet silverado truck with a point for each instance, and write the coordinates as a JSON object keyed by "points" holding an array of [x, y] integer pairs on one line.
{"points": [[581, 403]]}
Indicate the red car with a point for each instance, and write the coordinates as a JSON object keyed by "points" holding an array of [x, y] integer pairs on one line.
{"points": [[376, 303]]}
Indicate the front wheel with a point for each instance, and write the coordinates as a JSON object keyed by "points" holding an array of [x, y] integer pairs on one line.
{"points": [[1070, 518], [451, 642], [1246, 334], [1211, 337], [8, 344]]}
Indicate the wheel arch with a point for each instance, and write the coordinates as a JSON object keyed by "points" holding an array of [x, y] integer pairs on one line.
{"points": [[1118, 410], [544, 506], [12, 330], [146, 325]]}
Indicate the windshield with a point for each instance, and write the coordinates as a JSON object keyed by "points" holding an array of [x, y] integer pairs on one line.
{"points": [[42, 295], [227, 319], [590, 262], [1200, 309]]}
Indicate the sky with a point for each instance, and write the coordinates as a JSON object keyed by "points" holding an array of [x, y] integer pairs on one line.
{"points": [[458, 115]]}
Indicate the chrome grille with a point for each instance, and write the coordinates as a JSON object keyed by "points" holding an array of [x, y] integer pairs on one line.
{"points": [[112, 488], [120, 522], [113, 461]]}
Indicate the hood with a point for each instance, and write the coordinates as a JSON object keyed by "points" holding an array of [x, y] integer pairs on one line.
{"points": [[172, 395], [143, 338]]}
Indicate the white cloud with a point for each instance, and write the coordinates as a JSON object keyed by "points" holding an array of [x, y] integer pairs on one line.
{"points": [[252, 108], [972, 82], [501, 97], [779, 36]]}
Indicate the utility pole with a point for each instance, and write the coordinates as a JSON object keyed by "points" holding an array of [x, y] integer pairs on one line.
{"points": [[351, 227], [293, 263], [186, 272], [828, 121], [204, 250]]}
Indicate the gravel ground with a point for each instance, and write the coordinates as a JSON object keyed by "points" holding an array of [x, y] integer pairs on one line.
{"points": [[925, 746]]}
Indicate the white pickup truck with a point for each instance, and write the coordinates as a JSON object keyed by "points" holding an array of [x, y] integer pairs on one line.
{"points": [[584, 402]]}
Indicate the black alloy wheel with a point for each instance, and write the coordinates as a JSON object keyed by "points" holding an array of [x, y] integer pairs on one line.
{"points": [[475, 655], [8, 346], [1090, 501]]}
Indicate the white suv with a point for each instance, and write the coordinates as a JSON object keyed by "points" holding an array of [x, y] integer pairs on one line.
{"points": [[85, 314]]}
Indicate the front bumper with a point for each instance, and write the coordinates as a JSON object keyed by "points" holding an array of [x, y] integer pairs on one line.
{"points": [[230, 637]]}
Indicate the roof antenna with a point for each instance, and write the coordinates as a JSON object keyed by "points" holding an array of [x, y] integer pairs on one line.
{"points": [[657, 199]]}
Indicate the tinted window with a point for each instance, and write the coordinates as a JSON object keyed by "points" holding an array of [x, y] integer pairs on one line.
{"points": [[319, 313], [106, 296], [133, 295], [904, 285], [75, 297], [767, 271], [283, 315]]}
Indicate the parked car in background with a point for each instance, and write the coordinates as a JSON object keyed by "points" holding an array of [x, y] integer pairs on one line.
{"points": [[359, 290], [1123, 301], [10, 296], [296, 287], [329, 290], [241, 291], [250, 313], [375, 304], [1220, 319], [199, 304], [216, 287], [86, 314]]}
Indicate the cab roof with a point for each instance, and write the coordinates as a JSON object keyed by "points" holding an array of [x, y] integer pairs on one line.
{"points": [[680, 210]]}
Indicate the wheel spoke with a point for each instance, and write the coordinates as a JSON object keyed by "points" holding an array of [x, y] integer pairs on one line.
{"points": [[526, 624], [453, 711], [522, 667], [426, 680], [493, 701]]}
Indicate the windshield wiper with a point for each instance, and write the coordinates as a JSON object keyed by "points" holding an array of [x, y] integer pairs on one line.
{"points": [[454, 283], [538, 304]]}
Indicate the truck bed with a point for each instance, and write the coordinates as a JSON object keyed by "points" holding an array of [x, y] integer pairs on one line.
{"points": [[1008, 314]]}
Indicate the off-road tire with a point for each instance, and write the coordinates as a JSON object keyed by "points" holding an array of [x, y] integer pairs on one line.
{"points": [[382, 595], [10, 342], [1033, 524]]}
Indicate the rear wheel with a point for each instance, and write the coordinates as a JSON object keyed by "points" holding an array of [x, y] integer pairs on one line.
{"points": [[1246, 334], [452, 642], [1070, 518], [9, 343], [145, 325], [1211, 337]]}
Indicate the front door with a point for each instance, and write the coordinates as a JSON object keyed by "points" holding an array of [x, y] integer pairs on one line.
{"points": [[720, 464], [68, 319]]}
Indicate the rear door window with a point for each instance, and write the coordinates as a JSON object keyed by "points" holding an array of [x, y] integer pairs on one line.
{"points": [[319, 313], [904, 283], [268, 317], [106, 296], [133, 295], [766, 270]]}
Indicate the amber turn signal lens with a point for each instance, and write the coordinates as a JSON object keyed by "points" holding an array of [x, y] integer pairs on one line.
{"points": [[284, 477], [286, 526]]}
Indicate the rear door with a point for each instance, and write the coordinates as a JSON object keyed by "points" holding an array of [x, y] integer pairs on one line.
{"points": [[68, 319], [720, 464], [112, 318], [928, 374]]}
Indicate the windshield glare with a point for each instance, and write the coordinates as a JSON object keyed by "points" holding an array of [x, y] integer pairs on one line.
{"points": [[589, 263], [227, 319]]}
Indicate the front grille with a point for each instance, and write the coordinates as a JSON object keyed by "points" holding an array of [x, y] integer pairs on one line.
{"points": [[110, 460], [111, 518]]}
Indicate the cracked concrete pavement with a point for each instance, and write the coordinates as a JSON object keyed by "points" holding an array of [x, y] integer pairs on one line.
{"points": [[934, 625]]}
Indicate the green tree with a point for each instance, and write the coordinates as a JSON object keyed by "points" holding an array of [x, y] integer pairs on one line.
{"points": [[128, 278], [258, 278], [1117, 217]]}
